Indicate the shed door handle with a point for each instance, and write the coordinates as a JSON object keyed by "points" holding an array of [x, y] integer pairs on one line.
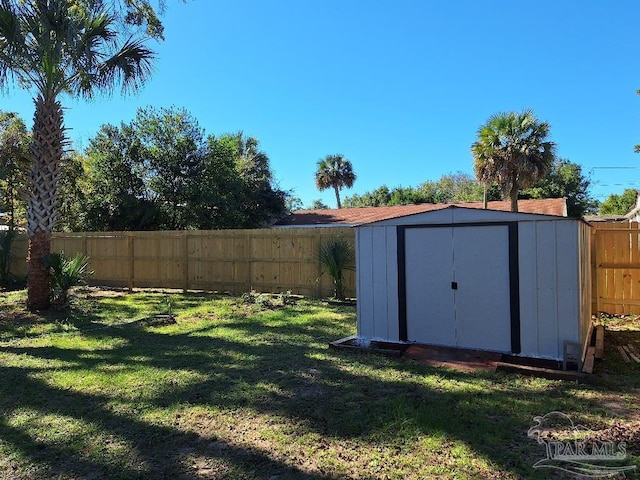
{"points": [[454, 285]]}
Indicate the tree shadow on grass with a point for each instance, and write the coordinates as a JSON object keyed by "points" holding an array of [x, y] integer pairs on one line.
{"points": [[277, 370], [158, 451]]}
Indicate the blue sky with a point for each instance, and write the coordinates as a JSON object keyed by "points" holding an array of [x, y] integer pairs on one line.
{"points": [[398, 87]]}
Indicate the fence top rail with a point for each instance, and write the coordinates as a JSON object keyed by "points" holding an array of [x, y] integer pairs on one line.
{"points": [[615, 226], [258, 232]]}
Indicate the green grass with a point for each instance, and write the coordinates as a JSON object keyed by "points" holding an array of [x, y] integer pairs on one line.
{"points": [[237, 391]]}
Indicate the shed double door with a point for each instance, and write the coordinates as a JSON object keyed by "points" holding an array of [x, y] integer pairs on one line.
{"points": [[457, 286]]}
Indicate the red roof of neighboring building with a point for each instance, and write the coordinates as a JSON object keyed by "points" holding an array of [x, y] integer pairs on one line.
{"points": [[362, 215]]}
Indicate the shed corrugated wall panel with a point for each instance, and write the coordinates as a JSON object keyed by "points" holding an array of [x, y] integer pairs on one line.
{"points": [[567, 248], [392, 283], [586, 279], [546, 291], [379, 251], [527, 260], [365, 280]]}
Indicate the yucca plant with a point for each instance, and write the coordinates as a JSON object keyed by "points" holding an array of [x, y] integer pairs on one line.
{"points": [[336, 256], [66, 273]]}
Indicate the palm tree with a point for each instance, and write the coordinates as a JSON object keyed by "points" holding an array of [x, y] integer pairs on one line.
{"points": [[335, 171], [512, 151], [55, 47]]}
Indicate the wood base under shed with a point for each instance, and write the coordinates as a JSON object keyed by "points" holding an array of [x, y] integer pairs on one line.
{"points": [[462, 359]]}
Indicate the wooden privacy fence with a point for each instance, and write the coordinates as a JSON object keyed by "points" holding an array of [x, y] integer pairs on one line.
{"points": [[265, 260], [285, 259], [615, 268]]}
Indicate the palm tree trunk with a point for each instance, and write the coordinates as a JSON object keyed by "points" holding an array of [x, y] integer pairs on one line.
{"points": [[484, 196], [513, 195], [38, 287], [337, 190], [46, 151]]}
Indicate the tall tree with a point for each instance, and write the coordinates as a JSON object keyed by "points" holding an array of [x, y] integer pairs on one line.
{"points": [[141, 15], [14, 164], [262, 201], [236, 184], [55, 47], [115, 176], [74, 193], [14, 167], [318, 204], [621, 204], [335, 171], [172, 147], [512, 151], [450, 188], [376, 198], [565, 180], [159, 173]]}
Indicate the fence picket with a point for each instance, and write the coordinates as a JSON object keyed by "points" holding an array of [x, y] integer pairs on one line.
{"points": [[265, 260]]}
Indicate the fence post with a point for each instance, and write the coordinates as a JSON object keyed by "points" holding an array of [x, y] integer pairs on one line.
{"points": [[248, 238], [130, 253], [595, 301], [318, 244], [185, 267], [84, 244]]}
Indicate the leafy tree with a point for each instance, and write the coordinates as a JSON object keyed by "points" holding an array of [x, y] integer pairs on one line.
{"points": [[119, 198], [512, 151], [14, 165], [565, 180], [318, 204], [171, 145], [74, 194], [241, 190], [159, 173], [406, 196], [262, 202], [450, 188], [141, 15], [52, 48], [292, 202], [455, 188], [378, 197], [619, 204], [336, 172]]}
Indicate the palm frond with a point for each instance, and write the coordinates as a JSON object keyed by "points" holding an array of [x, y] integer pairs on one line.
{"points": [[336, 256], [66, 273], [131, 66], [60, 46], [511, 149], [334, 171]]}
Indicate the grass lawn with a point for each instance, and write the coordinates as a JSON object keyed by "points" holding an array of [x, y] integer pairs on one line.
{"points": [[240, 391]]}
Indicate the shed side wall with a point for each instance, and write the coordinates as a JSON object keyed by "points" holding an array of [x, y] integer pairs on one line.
{"points": [[568, 281], [586, 277], [377, 282], [551, 287]]}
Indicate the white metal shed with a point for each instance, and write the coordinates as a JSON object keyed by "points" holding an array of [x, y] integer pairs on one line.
{"points": [[515, 283]]}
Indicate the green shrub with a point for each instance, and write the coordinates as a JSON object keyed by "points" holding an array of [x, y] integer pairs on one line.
{"points": [[6, 241], [66, 273], [336, 256]]}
